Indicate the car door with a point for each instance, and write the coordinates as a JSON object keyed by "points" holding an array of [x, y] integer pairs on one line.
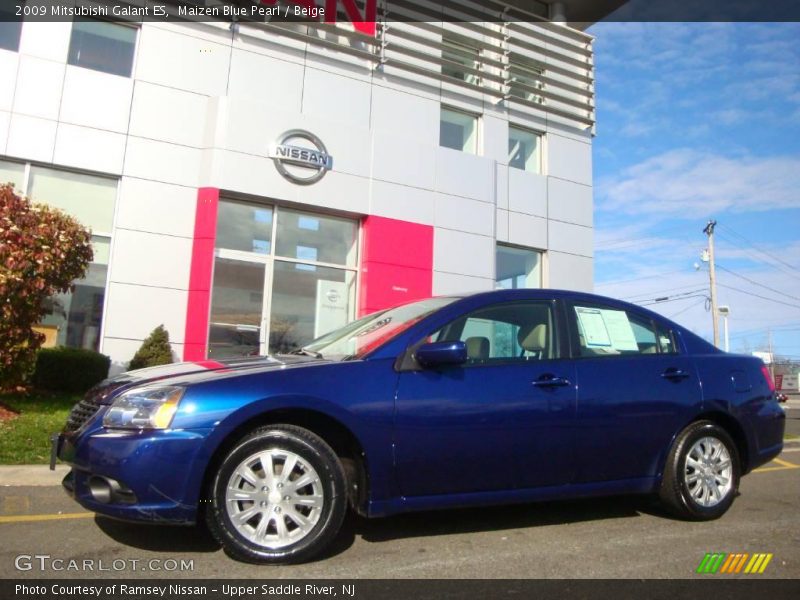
{"points": [[636, 389], [499, 421]]}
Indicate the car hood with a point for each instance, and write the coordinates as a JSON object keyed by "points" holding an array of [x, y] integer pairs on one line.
{"points": [[184, 372]]}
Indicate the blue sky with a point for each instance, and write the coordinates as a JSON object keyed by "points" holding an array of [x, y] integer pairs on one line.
{"points": [[699, 121]]}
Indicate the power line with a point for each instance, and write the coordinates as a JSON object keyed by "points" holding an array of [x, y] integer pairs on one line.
{"points": [[681, 287], [777, 267], [607, 283], [758, 296], [667, 299], [753, 245], [683, 310], [766, 287]]}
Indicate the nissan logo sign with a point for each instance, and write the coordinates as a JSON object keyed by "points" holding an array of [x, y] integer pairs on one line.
{"points": [[305, 162]]}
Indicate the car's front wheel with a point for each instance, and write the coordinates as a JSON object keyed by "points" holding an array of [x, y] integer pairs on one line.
{"points": [[278, 496], [701, 477]]}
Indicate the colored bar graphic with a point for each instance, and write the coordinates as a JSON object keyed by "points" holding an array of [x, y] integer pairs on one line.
{"points": [[735, 562]]}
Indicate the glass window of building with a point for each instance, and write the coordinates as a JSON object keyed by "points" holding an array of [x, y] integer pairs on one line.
{"points": [[525, 81], [458, 130], [10, 26], [524, 150], [518, 268], [282, 278], [460, 60], [73, 319], [103, 46]]}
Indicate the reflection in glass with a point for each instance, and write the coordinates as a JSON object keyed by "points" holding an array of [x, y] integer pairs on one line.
{"points": [[518, 268], [88, 198], [318, 238], [458, 130], [523, 150], [102, 46], [244, 227], [308, 304], [236, 308]]}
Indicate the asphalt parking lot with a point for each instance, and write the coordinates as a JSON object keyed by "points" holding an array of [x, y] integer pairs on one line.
{"points": [[598, 538]]}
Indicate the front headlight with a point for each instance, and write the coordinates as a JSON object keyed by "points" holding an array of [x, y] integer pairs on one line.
{"points": [[144, 408]]}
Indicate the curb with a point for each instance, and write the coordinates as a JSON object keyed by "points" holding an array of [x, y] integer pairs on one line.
{"points": [[31, 475]]}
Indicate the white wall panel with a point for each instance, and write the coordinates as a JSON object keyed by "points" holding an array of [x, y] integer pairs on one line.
{"points": [[9, 62], [575, 239], [91, 149], [449, 283], [569, 159], [570, 202], [161, 161], [5, 121], [463, 214], [403, 160], [156, 207], [133, 311], [392, 111], [527, 192], [151, 259], [166, 114], [31, 138], [182, 62], [527, 230], [46, 40], [570, 272], [462, 174], [402, 202], [39, 84], [96, 99], [270, 82], [463, 253], [331, 96]]}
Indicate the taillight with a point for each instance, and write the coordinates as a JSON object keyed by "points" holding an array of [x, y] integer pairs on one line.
{"points": [[768, 377]]}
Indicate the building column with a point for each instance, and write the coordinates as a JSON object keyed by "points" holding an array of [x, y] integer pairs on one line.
{"points": [[200, 276]]}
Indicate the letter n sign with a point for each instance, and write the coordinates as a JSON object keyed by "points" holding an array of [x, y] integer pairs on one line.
{"points": [[362, 21]]}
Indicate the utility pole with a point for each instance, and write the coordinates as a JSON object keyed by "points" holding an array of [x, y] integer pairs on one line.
{"points": [[712, 276]]}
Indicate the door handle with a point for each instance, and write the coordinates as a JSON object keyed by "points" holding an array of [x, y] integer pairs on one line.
{"points": [[675, 374], [547, 381]]}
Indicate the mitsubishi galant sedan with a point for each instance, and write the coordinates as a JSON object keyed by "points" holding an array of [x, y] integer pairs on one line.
{"points": [[491, 398]]}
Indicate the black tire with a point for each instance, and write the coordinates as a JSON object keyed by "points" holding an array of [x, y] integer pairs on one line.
{"points": [[310, 448], [675, 491]]}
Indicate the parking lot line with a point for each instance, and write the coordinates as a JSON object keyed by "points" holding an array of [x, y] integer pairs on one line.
{"points": [[784, 465], [52, 517]]}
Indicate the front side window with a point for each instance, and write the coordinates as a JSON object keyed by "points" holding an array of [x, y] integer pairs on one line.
{"points": [[458, 130], [606, 331], [10, 26], [517, 268], [460, 60], [518, 331], [103, 46], [282, 278], [524, 150]]}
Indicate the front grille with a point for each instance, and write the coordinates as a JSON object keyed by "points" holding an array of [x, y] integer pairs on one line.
{"points": [[80, 413], [88, 407]]}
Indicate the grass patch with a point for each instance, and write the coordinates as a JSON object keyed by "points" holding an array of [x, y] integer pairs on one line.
{"points": [[25, 439]]}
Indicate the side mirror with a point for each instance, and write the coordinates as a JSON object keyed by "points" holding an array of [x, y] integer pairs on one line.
{"points": [[441, 353]]}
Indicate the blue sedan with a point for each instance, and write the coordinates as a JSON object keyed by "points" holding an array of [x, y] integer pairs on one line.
{"points": [[490, 398]]}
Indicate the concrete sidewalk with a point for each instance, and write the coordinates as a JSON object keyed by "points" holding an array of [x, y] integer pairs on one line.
{"points": [[12, 475]]}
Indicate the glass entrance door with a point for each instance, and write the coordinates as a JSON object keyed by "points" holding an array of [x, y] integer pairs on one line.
{"points": [[282, 277]]}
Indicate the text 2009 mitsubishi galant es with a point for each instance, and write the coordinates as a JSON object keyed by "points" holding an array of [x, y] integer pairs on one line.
{"points": [[496, 397]]}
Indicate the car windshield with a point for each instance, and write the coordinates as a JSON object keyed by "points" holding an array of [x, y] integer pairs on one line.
{"points": [[364, 335]]}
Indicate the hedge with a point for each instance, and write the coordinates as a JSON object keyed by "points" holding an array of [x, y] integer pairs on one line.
{"points": [[69, 369]]}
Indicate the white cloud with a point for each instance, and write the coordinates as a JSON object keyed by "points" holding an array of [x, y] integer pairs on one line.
{"points": [[688, 181]]}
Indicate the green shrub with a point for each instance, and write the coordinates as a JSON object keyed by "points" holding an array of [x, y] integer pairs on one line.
{"points": [[154, 351], [69, 369]]}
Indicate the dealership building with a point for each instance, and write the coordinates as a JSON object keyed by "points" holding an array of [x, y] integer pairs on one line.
{"points": [[252, 185]]}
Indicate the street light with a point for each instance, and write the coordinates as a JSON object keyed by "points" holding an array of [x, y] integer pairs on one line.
{"points": [[725, 311]]}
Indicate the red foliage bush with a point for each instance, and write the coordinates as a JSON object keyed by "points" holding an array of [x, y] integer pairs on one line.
{"points": [[42, 251]]}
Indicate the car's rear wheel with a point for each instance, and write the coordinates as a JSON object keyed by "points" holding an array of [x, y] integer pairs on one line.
{"points": [[278, 496], [701, 477]]}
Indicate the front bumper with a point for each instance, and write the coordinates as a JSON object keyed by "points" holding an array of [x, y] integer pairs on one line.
{"points": [[152, 476]]}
